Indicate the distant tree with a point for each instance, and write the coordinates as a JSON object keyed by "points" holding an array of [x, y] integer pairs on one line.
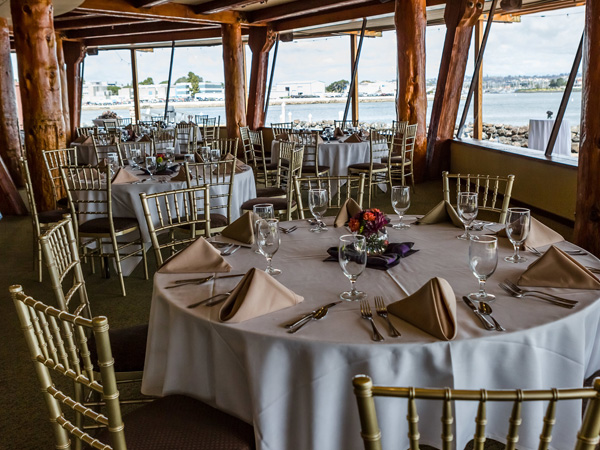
{"points": [[147, 81], [337, 86], [561, 82], [164, 82], [181, 80], [114, 90], [194, 81]]}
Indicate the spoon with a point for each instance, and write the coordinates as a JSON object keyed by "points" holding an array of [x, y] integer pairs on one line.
{"points": [[486, 310], [318, 316]]}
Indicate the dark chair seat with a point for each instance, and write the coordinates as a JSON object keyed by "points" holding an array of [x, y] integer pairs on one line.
{"points": [[63, 203], [271, 191], [102, 225], [279, 204], [311, 168], [271, 166], [395, 160], [216, 221], [367, 166], [128, 348], [55, 215], [182, 423]]}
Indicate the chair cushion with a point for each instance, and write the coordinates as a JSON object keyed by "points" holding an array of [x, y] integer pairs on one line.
{"points": [[63, 202], [366, 166], [279, 204], [311, 168], [128, 348], [271, 191], [55, 215], [216, 221], [183, 423], [395, 160], [272, 166], [102, 225]]}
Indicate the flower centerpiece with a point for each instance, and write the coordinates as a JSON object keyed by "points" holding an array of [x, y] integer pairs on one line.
{"points": [[371, 224], [108, 115]]}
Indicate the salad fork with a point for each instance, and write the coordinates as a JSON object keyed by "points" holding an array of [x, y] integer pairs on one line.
{"points": [[382, 312], [288, 230], [365, 312]]}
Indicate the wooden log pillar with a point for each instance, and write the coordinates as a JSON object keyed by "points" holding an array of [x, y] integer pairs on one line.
{"points": [[354, 93], [136, 85], [411, 22], [11, 203], [260, 40], [233, 64], [10, 144], [587, 216], [39, 82], [478, 93], [460, 17], [74, 53], [64, 92]]}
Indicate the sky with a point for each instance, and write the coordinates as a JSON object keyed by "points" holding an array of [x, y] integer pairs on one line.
{"points": [[542, 44]]}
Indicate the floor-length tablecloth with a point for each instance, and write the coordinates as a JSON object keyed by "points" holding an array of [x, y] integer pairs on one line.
{"points": [[539, 135], [296, 389]]}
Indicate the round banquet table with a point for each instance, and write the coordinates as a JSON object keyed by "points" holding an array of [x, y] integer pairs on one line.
{"points": [[296, 388]]}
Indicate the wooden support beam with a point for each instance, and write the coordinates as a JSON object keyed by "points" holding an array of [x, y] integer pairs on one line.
{"points": [[129, 30], [135, 84], [39, 82], [216, 6], [460, 17], [354, 93], [478, 93], [11, 203], [10, 143], [587, 216], [410, 20], [204, 33], [298, 7], [261, 41], [64, 91], [74, 54], [80, 24], [233, 65]]}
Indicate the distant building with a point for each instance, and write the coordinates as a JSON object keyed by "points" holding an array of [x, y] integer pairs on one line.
{"points": [[311, 88], [207, 90], [376, 88], [96, 92]]}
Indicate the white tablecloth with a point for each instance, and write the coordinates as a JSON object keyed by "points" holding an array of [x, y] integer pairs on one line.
{"points": [[296, 389], [539, 135]]}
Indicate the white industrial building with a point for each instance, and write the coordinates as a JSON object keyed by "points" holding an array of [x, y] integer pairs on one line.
{"points": [[311, 88]]}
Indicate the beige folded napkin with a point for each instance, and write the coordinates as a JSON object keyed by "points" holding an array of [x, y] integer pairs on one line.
{"points": [[442, 212], [83, 140], [199, 256], [319, 139], [242, 229], [353, 138], [239, 164], [198, 157], [432, 309], [124, 176], [180, 175], [539, 235], [348, 210], [257, 294], [557, 269], [338, 132], [145, 138]]}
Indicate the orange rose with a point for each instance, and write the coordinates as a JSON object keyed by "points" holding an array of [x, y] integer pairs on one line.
{"points": [[353, 224], [369, 216], [376, 211]]}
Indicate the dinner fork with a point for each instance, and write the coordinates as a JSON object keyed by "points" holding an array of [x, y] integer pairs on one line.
{"points": [[288, 230], [530, 294], [382, 312], [516, 288], [365, 312]]}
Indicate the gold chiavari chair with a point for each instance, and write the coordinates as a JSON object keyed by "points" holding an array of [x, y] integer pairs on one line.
{"points": [[58, 346], [198, 118], [289, 165], [123, 121], [163, 139], [376, 172], [245, 139], [344, 125], [54, 159], [186, 136], [226, 146], [311, 166], [86, 131], [587, 438], [282, 130], [339, 189], [102, 151], [210, 129], [403, 147], [176, 212], [89, 191], [220, 176], [264, 172], [489, 188], [126, 148]]}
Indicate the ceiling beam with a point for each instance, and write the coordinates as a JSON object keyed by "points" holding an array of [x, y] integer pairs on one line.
{"points": [[300, 7], [140, 28], [148, 3], [156, 37], [78, 24], [216, 6], [173, 12]]}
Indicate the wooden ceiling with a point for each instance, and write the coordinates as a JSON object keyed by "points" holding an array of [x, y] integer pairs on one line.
{"points": [[118, 23]]}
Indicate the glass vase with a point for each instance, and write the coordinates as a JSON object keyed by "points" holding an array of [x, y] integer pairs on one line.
{"points": [[377, 243]]}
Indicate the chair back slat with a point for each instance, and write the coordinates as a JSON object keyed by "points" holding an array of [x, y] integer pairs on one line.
{"points": [[86, 131], [226, 146], [413, 421], [282, 128], [549, 421], [54, 159], [447, 421], [514, 423], [480, 422]]}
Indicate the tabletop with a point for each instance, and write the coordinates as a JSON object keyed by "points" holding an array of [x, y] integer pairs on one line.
{"points": [[296, 389]]}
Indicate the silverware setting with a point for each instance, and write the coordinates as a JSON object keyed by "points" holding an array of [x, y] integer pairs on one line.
{"points": [[382, 312], [318, 315], [486, 310], [308, 316], [593, 269], [536, 252], [365, 313], [202, 280], [230, 250], [288, 230], [486, 324], [319, 222], [211, 301], [517, 292]]}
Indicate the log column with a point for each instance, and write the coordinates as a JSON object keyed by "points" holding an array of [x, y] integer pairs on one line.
{"points": [[460, 17], [64, 91], [587, 218], [74, 52], [10, 146], [233, 64], [260, 40], [39, 83], [411, 22]]}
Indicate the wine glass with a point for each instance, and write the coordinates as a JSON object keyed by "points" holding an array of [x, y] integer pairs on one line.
{"points": [[352, 256], [518, 222], [215, 155], [262, 211], [267, 234], [205, 153], [400, 203], [318, 200], [483, 259], [467, 211]]}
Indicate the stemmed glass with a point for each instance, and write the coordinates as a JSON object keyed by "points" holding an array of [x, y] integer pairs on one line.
{"points": [[518, 222], [352, 256], [318, 201], [263, 211], [400, 203], [483, 259], [467, 211], [215, 155], [267, 234]]}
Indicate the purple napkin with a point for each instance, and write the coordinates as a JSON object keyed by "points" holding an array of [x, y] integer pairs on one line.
{"points": [[390, 258]]}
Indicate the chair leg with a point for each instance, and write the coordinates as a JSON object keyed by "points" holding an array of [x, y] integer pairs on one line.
{"points": [[145, 258], [118, 262], [40, 264]]}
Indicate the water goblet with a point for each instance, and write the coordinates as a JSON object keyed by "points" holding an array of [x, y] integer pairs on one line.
{"points": [[151, 163], [467, 211], [483, 259], [400, 203], [215, 155], [205, 153], [267, 234], [318, 200], [518, 222], [352, 256], [262, 211]]}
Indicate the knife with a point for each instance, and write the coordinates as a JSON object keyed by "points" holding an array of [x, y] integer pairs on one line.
{"points": [[310, 315], [486, 324]]}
